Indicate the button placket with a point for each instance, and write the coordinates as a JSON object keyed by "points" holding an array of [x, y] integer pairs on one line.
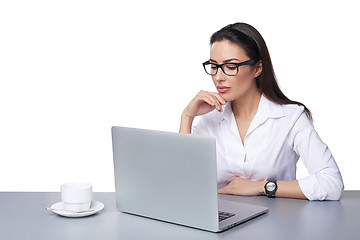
{"points": [[239, 152]]}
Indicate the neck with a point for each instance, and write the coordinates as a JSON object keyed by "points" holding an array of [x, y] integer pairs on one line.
{"points": [[246, 105]]}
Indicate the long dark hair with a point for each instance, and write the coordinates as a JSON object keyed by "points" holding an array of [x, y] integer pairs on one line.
{"points": [[255, 47]]}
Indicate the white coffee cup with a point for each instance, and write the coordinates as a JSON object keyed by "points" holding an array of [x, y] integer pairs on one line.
{"points": [[76, 196]]}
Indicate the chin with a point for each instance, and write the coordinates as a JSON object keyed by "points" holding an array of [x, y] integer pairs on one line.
{"points": [[227, 97]]}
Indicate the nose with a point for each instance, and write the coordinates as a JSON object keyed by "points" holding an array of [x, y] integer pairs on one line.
{"points": [[220, 75]]}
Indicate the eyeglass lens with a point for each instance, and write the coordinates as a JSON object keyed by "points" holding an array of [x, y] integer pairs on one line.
{"points": [[228, 68]]}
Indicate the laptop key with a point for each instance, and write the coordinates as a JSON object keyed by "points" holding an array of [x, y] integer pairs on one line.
{"points": [[225, 215]]}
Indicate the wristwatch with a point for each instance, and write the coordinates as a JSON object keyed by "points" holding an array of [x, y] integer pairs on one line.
{"points": [[270, 188]]}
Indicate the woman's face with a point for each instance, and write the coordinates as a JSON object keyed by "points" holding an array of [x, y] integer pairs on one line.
{"points": [[233, 87]]}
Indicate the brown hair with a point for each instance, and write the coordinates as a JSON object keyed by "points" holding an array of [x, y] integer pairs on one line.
{"points": [[254, 45]]}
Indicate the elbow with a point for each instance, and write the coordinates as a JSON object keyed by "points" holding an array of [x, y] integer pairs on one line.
{"points": [[322, 187], [336, 191], [334, 188]]}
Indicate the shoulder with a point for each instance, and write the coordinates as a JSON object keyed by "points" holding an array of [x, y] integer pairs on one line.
{"points": [[297, 119], [286, 114], [290, 118], [292, 110], [296, 114]]}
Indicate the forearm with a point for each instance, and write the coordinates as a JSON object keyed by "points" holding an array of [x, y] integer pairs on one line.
{"points": [[286, 189], [186, 124], [244, 187], [289, 189]]}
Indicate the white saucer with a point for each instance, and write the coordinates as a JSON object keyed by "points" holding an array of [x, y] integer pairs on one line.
{"points": [[95, 205]]}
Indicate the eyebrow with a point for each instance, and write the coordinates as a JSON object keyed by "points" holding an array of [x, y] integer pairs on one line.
{"points": [[227, 60]]}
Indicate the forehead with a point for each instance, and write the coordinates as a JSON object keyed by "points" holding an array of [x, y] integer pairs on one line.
{"points": [[223, 50]]}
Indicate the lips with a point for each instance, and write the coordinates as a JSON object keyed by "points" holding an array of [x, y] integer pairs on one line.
{"points": [[222, 89]]}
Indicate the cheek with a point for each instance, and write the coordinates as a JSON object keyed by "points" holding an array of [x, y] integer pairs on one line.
{"points": [[241, 79]]}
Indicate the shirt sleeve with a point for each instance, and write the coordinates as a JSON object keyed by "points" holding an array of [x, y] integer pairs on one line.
{"points": [[324, 181]]}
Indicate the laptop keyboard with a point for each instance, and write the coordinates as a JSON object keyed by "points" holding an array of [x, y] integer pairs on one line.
{"points": [[225, 215]]}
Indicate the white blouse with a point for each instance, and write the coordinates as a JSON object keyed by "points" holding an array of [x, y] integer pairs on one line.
{"points": [[277, 136]]}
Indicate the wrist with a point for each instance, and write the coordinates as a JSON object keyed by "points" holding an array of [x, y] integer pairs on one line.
{"points": [[186, 116], [186, 123], [261, 188]]}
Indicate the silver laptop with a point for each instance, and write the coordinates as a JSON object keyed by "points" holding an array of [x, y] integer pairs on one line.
{"points": [[172, 177]]}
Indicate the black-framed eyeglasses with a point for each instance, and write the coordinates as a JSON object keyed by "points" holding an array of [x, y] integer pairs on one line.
{"points": [[229, 69]]}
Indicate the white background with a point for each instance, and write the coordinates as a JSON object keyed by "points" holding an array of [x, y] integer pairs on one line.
{"points": [[69, 70]]}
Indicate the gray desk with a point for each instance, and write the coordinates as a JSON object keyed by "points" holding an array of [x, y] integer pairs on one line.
{"points": [[23, 216]]}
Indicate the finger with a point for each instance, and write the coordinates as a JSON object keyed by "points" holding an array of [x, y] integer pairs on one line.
{"points": [[216, 102], [207, 100], [224, 190], [219, 97], [210, 100]]}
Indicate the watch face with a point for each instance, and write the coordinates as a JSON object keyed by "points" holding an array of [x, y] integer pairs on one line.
{"points": [[270, 186]]}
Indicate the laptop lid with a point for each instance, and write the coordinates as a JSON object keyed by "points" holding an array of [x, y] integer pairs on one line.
{"points": [[166, 176]]}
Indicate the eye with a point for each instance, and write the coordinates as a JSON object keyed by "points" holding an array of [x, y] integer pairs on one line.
{"points": [[213, 67], [231, 66]]}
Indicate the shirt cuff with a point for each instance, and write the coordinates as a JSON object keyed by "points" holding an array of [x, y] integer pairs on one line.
{"points": [[311, 188]]}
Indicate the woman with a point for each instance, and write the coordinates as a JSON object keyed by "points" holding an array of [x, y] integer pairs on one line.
{"points": [[260, 134]]}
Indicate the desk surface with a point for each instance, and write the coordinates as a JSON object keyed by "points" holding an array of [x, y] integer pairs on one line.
{"points": [[23, 216]]}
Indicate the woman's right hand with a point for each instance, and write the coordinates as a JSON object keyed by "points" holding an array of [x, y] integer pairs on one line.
{"points": [[204, 102]]}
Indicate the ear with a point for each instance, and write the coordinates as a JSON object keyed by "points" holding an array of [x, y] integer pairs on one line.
{"points": [[258, 68]]}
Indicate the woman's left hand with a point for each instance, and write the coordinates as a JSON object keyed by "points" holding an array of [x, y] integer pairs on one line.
{"points": [[243, 187]]}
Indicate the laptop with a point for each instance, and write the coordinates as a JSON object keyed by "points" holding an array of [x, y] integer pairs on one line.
{"points": [[172, 177]]}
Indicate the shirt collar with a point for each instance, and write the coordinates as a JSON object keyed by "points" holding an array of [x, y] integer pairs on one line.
{"points": [[266, 109], [227, 112]]}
